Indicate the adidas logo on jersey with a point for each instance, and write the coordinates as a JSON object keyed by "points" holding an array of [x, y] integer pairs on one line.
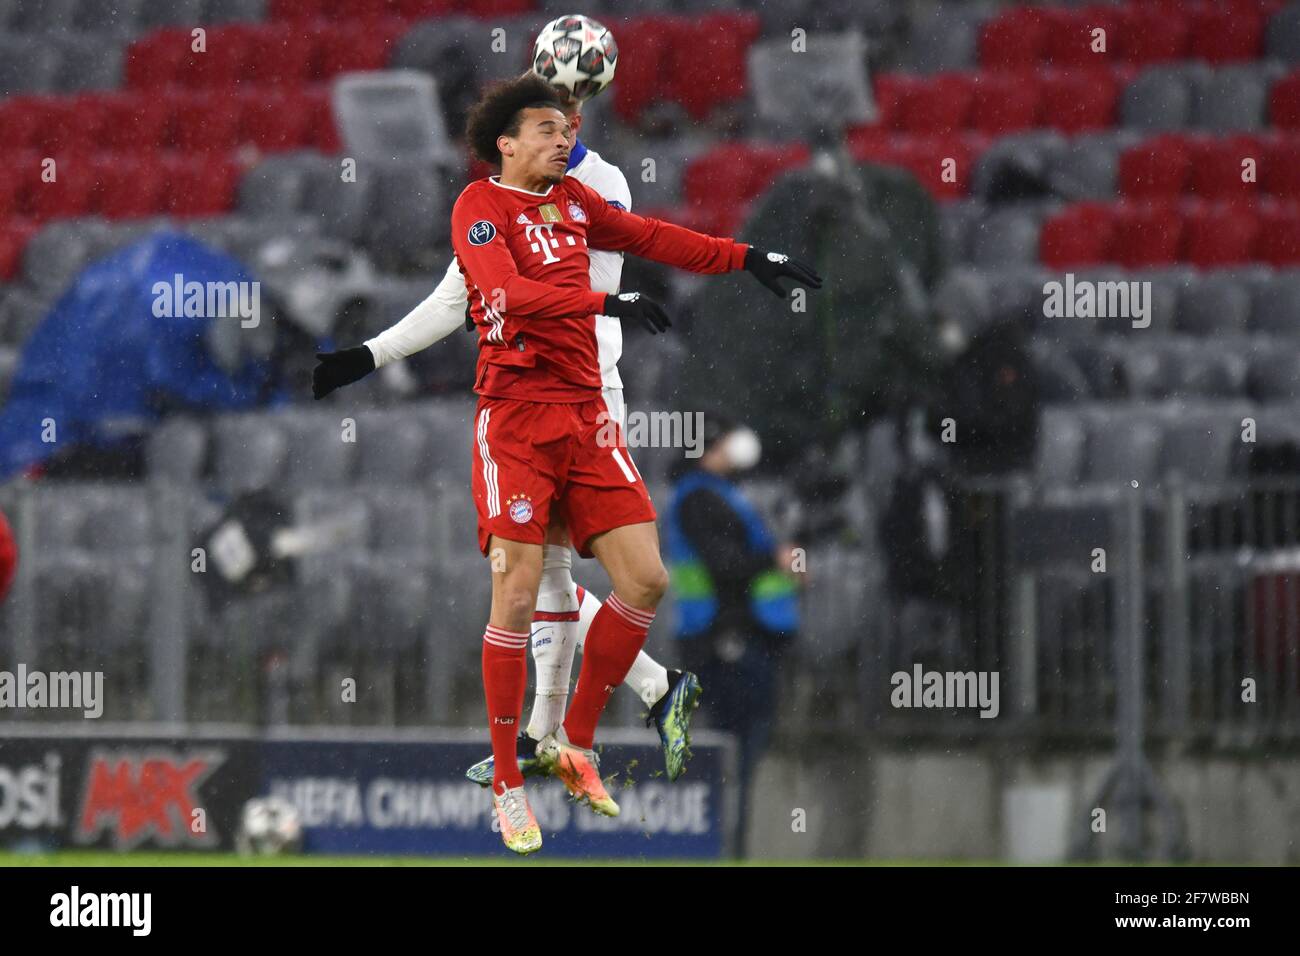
{"points": [[524, 220]]}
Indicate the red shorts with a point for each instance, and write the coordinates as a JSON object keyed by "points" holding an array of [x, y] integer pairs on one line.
{"points": [[532, 457]]}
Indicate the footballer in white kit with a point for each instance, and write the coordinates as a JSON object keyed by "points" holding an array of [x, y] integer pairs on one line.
{"points": [[564, 611]]}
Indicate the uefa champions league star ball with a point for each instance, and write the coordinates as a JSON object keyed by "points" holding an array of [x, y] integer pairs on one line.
{"points": [[576, 54]]}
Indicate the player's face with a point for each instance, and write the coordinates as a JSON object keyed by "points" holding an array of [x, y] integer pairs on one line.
{"points": [[541, 150]]}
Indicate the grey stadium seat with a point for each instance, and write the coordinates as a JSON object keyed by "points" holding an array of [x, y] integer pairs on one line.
{"points": [[1199, 450], [61, 250], [158, 13], [108, 16], [1277, 305], [1062, 441], [250, 452], [1234, 98], [402, 522], [44, 15], [227, 11], [29, 65], [1121, 448], [1214, 305], [1085, 169], [176, 451], [276, 186], [340, 208], [411, 210], [1161, 98], [944, 38], [1008, 237], [1275, 373], [1283, 37], [1208, 371], [317, 454], [89, 62], [957, 222], [393, 447]]}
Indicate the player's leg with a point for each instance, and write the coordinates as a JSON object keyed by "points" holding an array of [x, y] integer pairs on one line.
{"points": [[555, 637], [670, 696], [516, 573]]}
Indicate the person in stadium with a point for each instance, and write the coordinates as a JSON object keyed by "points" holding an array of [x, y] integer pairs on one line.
{"points": [[8, 558], [543, 434], [564, 610]]}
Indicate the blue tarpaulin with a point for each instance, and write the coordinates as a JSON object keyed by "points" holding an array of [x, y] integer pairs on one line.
{"points": [[102, 364]]}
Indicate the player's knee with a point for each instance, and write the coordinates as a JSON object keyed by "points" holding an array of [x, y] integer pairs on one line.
{"points": [[648, 586], [517, 604]]}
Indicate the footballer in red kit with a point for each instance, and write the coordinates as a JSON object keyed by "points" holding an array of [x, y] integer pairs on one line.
{"points": [[541, 442]]}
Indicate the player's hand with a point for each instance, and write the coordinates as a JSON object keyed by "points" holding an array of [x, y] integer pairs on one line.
{"points": [[633, 305], [336, 369], [767, 267]]}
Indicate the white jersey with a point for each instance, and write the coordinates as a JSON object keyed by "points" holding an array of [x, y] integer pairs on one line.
{"points": [[443, 312]]}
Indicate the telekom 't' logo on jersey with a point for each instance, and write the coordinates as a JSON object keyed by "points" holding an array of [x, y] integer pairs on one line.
{"points": [[543, 241]]}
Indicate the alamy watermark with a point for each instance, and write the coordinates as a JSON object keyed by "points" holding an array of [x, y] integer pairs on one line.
{"points": [[56, 690], [1086, 299], [658, 429], [212, 300], [946, 690]]}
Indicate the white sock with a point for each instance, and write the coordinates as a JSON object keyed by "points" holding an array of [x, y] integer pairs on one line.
{"points": [[648, 679], [553, 642]]}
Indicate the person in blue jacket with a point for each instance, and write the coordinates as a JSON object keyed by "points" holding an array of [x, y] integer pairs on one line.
{"points": [[736, 596]]}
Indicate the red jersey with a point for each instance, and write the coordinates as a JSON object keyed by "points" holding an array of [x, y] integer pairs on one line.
{"points": [[525, 262]]}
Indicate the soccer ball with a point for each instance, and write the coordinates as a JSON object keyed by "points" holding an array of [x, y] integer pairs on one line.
{"points": [[269, 827], [576, 54]]}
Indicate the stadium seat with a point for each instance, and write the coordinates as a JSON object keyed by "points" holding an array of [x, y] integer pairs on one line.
{"points": [[21, 121], [1061, 445], [1284, 102], [342, 48], [1217, 168], [89, 62], [1198, 451], [1161, 98], [1216, 305], [224, 65], [1004, 103], [1120, 448], [1158, 168], [1218, 235], [1007, 237], [250, 453], [230, 11], [130, 187], [158, 13], [277, 121], [1146, 35], [1078, 235], [70, 193], [1085, 169], [158, 59], [712, 68], [176, 451], [1234, 98], [208, 121], [200, 186], [60, 250], [1275, 307], [942, 38], [1278, 239], [136, 121], [278, 53], [1279, 167], [1074, 101], [14, 234], [1016, 37], [28, 65], [1225, 35], [1146, 234], [1282, 36]]}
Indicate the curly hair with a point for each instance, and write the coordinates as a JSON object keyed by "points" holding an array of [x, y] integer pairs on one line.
{"points": [[499, 112]]}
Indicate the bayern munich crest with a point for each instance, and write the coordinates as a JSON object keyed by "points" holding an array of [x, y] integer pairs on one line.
{"points": [[576, 213], [520, 509]]}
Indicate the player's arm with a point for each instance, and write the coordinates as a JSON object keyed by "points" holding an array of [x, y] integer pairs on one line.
{"points": [[431, 321], [479, 240], [620, 230]]}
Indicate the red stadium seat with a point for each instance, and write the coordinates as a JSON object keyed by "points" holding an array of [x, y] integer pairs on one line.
{"points": [[1284, 102], [1004, 102], [925, 158], [321, 128], [424, 9], [500, 8], [1219, 35], [1146, 35], [1218, 235], [276, 121], [1016, 37], [1146, 234], [298, 9], [1069, 42], [1217, 168], [136, 120], [1279, 168], [280, 53], [224, 63], [640, 77], [129, 187], [69, 193], [1078, 100], [21, 121], [940, 104], [159, 59], [349, 47], [208, 121], [1278, 241], [14, 234], [72, 125], [712, 69], [1159, 167], [200, 186], [1080, 235]]}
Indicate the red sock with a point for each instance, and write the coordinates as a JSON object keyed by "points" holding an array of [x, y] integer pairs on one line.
{"points": [[505, 672], [617, 633]]}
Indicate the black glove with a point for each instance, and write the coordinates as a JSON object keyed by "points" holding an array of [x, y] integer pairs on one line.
{"points": [[633, 305], [767, 267], [336, 369]]}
